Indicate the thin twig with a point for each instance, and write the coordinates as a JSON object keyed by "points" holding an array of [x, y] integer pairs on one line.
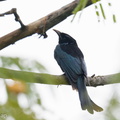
{"points": [[17, 17]]}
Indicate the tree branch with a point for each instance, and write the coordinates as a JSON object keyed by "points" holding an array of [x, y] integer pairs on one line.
{"points": [[40, 26], [43, 78], [17, 18]]}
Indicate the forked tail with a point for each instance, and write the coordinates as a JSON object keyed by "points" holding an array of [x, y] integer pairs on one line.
{"points": [[86, 102]]}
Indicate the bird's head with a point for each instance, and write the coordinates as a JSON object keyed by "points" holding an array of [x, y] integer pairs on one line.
{"points": [[65, 38]]}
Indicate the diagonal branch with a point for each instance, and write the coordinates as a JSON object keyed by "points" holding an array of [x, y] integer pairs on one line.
{"points": [[43, 78], [40, 26]]}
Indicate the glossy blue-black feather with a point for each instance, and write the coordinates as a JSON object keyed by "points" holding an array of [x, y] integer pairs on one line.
{"points": [[71, 60]]}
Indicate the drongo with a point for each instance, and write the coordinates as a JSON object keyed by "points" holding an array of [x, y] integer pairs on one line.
{"points": [[71, 60]]}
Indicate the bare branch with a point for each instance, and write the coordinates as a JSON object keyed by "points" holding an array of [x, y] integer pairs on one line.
{"points": [[43, 78], [2, 0], [17, 18], [104, 80], [40, 26]]}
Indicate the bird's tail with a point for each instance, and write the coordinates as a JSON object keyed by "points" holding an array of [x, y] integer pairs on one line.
{"points": [[86, 102]]}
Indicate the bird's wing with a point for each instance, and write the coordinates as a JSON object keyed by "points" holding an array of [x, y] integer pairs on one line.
{"points": [[73, 66]]}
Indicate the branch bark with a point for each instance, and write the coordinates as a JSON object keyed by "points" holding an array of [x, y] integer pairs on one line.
{"points": [[40, 26], [43, 78]]}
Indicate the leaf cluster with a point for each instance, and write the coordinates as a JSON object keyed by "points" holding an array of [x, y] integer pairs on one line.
{"points": [[83, 3], [14, 108]]}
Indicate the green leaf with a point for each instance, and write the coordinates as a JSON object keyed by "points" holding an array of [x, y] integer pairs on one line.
{"points": [[94, 1], [103, 14], [114, 18], [80, 6]]}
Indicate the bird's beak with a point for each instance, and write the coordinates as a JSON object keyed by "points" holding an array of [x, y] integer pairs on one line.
{"points": [[58, 32]]}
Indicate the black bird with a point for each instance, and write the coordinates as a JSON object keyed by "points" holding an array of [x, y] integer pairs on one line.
{"points": [[71, 60]]}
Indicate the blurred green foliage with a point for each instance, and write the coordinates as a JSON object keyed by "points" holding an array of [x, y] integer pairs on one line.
{"points": [[21, 64], [98, 5], [13, 109], [113, 106]]}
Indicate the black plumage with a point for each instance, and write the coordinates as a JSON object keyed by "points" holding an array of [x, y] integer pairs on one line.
{"points": [[71, 60]]}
